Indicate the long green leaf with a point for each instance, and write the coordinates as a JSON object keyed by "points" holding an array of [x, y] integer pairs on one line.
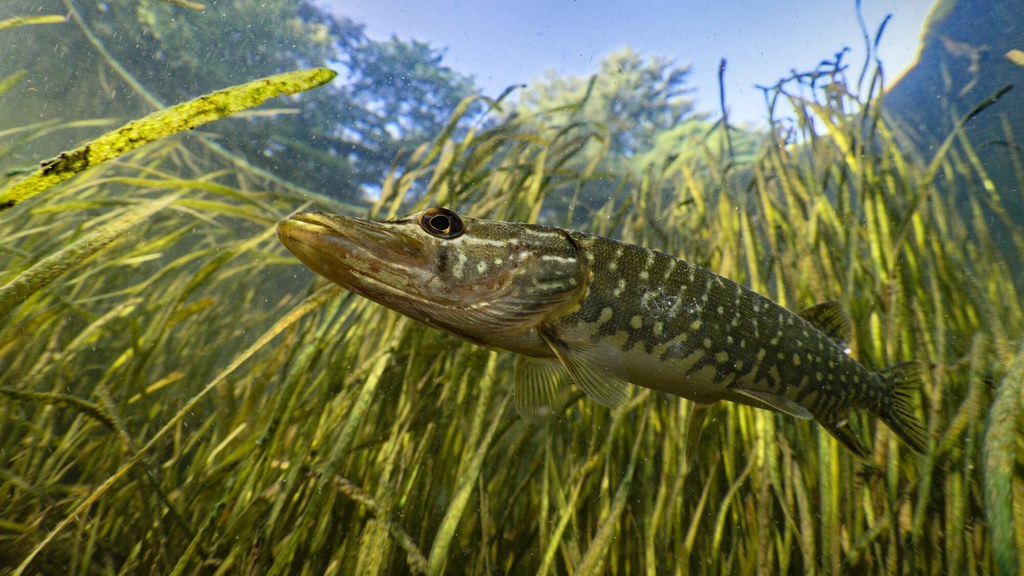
{"points": [[160, 124]]}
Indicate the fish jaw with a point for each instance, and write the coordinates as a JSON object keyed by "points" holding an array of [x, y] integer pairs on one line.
{"points": [[342, 249], [361, 255], [482, 285]]}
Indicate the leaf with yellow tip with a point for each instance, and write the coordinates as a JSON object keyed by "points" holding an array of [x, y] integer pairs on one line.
{"points": [[159, 125]]}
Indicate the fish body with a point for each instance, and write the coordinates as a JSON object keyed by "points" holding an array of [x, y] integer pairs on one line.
{"points": [[599, 313]]}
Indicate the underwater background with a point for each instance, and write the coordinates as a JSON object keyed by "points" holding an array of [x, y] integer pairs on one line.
{"points": [[179, 395]]}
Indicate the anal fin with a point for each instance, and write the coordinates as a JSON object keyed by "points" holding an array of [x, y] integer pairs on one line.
{"points": [[776, 402], [840, 429], [541, 387]]}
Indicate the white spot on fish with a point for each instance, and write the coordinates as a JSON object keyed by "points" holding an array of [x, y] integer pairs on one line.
{"points": [[619, 288], [460, 265], [637, 322], [555, 258]]}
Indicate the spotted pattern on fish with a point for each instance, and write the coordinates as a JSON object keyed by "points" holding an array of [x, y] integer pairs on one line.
{"points": [[607, 312]]}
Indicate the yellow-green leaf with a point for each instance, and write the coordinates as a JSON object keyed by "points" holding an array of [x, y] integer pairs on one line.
{"points": [[158, 125]]}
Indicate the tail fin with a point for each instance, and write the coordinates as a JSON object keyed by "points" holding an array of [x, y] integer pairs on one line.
{"points": [[896, 409]]}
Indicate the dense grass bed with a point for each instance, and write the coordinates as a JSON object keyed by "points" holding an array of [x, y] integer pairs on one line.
{"points": [[185, 397]]}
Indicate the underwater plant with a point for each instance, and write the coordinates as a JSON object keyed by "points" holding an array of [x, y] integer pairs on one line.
{"points": [[178, 394]]}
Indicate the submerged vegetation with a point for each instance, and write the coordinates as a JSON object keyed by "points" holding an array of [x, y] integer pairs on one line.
{"points": [[188, 398]]}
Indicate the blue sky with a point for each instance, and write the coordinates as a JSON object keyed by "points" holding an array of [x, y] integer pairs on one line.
{"points": [[503, 42]]}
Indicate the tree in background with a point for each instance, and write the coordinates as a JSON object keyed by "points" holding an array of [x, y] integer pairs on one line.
{"points": [[397, 95], [632, 97], [127, 58], [124, 59], [639, 111]]}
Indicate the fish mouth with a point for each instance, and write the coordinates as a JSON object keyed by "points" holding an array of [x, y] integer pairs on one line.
{"points": [[378, 260], [309, 228], [311, 217], [341, 236], [307, 233]]}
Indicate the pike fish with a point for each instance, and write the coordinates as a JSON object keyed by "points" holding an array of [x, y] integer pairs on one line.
{"points": [[599, 313]]}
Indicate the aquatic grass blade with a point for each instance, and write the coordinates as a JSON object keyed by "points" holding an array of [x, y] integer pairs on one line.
{"points": [[160, 124], [59, 263]]}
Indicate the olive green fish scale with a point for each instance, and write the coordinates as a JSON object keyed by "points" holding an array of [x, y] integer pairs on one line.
{"points": [[747, 338], [606, 312]]}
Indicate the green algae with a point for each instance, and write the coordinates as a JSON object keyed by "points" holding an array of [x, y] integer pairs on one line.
{"points": [[157, 125]]}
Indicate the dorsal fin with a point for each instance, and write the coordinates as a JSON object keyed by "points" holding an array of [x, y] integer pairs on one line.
{"points": [[828, 317]]}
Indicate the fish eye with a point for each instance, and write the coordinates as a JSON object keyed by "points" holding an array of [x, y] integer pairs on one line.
{"points": [[441, 222]]}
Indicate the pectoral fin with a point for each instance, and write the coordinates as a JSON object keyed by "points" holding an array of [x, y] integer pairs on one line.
{"points": [[585, 363], [541, 387], [776, 402]]}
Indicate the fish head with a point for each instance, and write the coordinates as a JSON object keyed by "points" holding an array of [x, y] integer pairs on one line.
{"points": [[468, 276]]}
